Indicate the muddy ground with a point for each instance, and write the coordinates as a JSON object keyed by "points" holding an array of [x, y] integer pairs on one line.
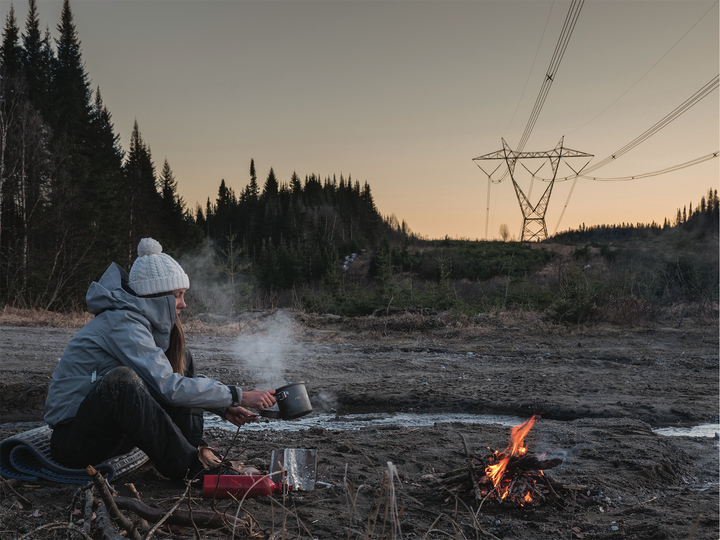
{"points": [[600, 390]]}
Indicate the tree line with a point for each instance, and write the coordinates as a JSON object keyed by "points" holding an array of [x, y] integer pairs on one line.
{"points": [[292, 232], [704, 219], [72, 200]]}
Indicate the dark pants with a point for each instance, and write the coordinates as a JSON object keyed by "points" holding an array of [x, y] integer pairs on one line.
{"points": [[118, 414]]}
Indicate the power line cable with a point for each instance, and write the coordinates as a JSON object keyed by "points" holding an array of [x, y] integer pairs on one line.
{"points": [[666, 170], [684, 107], [648, 71], [677, 112], [531, 69], [560, 48], [673, 115]]}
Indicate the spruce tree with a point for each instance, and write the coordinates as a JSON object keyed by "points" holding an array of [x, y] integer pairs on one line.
{"points": [[71, 87], [177, 227], [34, 60], [141, 200], [10, 50], [252, 189], [295, 185], [270, 189]]}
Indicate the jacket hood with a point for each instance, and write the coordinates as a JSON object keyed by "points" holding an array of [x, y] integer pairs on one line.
{"points": [[112, 292]]}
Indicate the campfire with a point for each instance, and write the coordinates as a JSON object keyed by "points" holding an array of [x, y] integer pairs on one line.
{"points": [[514, 476], [511, 476]]}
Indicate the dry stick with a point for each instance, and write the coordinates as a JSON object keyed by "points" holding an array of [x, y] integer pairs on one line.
{"points": [[394, 515], [284, 513], [55, 527], [141, 522], [117, 516], [273, 501], [695, 527], [351, 496], [272, 519], [377, 508], [370, 462], [8, 484], [272, 512], [11, 482], [477, 523], [217, 485], [471, 466], [439, 531], [433, 524], [548, 483], [387, 507], [509, 490], [572, 515], [485, 499], [167, 515], [133, 491], [190, 512], [452, 522], [76, 499], [179, 517], [105, 524], [297, 518], [89, 501]]}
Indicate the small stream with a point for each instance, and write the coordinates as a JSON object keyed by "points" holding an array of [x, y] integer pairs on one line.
{"points": [[701, 430], [350, 422]]}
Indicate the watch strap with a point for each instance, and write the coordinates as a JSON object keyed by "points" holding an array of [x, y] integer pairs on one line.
{"points": [[235, 396]]}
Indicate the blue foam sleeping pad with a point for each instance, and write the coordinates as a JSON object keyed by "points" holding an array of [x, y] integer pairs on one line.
{"points": [[27, 456]]}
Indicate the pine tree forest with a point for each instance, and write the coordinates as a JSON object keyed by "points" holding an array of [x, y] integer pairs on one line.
{"points": [[72, 200]]}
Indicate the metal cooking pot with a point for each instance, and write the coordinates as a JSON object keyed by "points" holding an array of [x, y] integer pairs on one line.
{"points": [[292, 401]]}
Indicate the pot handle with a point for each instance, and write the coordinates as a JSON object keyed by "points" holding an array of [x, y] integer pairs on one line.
{"points": [[270, 414]]}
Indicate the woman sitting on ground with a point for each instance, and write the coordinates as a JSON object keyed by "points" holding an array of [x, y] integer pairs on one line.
{"points": [[126, 379]]}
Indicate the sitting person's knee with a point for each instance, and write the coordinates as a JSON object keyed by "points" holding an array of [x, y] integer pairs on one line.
{"points": [[122, 376]]}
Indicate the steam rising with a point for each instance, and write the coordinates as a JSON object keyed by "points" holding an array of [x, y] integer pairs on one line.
{"points": [[325, 401], [269, 349], [212, 289]]}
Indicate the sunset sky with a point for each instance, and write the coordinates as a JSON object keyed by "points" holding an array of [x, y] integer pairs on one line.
{"points": [[404, 94]]}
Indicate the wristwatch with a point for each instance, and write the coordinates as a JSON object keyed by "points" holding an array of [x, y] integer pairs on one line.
{"points": [[235, 396]]}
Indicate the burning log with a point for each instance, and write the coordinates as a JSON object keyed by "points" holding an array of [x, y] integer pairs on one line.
{"points": [[514, 476], [509, 476], [531, 463]]}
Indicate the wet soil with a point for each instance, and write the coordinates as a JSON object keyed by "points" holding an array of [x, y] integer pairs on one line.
{"points": [[599, 391]]}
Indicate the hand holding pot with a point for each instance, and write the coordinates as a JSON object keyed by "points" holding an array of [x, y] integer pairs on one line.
{"points": [[258, 399]]}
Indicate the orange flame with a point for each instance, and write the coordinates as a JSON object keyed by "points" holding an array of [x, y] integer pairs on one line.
{"points": [[515, 447], [528, 497]]}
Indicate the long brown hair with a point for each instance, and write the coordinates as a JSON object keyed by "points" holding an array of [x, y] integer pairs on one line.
{"points": [[175, 353]]}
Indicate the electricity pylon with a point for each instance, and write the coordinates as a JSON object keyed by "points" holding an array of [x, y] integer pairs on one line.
{"points": [[533, 216]]}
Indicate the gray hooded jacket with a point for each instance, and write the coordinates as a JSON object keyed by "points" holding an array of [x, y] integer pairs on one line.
{"points": [[127, 331]]}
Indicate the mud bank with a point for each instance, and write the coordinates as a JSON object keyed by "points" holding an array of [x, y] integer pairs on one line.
{"points": [[600, 391]]}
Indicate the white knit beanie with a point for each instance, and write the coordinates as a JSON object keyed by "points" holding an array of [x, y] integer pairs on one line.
{"points": [[155, 272]]}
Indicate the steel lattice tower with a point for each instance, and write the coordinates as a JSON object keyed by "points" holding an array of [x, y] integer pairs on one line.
{"points": [[533, 216]]}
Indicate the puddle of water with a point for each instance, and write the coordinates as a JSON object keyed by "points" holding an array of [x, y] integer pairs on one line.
{"points": [[350, 422], [703, 430]]}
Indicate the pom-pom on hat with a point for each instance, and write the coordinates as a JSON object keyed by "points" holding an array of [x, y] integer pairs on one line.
{"points": [[156, 272]]}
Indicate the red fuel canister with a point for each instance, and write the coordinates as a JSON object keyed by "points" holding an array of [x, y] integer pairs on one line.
{"points": [[238, 486]]}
